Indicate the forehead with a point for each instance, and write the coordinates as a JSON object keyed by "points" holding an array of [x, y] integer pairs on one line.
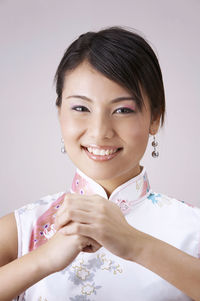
{"points": [[87, 81], [86, 77]]}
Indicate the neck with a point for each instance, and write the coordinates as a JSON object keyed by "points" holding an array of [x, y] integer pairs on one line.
{"points": [[111, 184]]}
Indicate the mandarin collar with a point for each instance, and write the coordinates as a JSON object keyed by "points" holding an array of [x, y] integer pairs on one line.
{"points": [[125, 195]]}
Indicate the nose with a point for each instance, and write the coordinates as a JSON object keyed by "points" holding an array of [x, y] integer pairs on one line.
{"points": [[101, 127]]}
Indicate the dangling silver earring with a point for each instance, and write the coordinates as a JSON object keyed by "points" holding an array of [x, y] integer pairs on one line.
{"points": [[62, 146], [154, 143]]}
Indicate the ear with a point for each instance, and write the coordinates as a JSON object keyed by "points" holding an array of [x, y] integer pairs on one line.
{"points": [[155, 123]]}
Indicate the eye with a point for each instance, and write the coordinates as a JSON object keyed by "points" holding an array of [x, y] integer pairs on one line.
{"points": [[125, 110], [79, 108]]}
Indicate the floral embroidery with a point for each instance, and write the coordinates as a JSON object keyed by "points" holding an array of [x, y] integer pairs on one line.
{"points": [[81, 185], [49, 233], [146, 186], [87, 289], [106, 262], [44, 228], [158, 199], [123, 205], [77, 264], [117, 269], [82, 273], [32, 206], [139, 184], [109, 264]]}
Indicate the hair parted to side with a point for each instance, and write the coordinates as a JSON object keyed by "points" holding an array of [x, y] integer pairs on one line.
{"points": [[122, 56]]}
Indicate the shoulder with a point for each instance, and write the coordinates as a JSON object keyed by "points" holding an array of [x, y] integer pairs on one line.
{"points": [[174, 221], [161, 200], [8, 239], [39, 206], [41, 209], [35, 219], [13, 225]]}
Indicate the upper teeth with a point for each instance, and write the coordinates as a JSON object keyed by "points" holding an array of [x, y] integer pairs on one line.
{"points": [[101, 152]]}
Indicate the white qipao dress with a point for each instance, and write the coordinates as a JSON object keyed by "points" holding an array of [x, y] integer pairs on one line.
{"points": [[102, 275]]}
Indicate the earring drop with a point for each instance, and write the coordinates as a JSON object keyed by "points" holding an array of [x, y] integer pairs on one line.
{"points": [[154, 143], [62, 146]]}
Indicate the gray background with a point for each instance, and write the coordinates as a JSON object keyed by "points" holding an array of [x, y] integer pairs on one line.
{"points": [[33, 37]]}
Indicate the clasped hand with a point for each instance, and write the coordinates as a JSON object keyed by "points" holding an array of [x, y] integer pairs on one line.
{"points": [[95, 217]]}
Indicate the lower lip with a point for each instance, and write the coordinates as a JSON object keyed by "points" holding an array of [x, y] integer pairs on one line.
{"points": [[101, 158]]}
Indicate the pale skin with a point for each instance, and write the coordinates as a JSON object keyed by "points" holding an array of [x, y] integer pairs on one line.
{"points": [[77, 225]]}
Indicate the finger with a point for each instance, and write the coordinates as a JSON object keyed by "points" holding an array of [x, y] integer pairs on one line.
{"points": [[78, 228], [75, 216], [59, 213], [81, 216], [67, 204], [56, 222], [77, 201], [82, 202], [62, 219]]}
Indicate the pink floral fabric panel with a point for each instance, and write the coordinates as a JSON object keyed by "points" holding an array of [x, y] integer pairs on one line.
{"points": [[81, 185], [44, 227]]}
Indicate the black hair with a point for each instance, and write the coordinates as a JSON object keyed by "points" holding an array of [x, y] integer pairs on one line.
{"points": [[122, 56]]}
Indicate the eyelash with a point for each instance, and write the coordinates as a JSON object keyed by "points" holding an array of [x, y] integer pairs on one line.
{"points": [[122, 108]]}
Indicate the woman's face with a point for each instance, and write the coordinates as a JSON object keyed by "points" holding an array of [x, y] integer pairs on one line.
{"points": [[89, 116]]}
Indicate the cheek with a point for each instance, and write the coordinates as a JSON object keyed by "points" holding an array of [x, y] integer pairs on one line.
{"points": [[71, 126], [136, 134]]}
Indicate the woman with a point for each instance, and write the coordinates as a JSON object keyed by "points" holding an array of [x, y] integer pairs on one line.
{"points": [[109, 237]]}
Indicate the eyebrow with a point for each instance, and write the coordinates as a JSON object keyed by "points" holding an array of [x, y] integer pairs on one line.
{"points": [[115, 100]]}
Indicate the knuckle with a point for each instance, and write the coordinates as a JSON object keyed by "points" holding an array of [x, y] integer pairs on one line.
{"points": [[67, 196], [77, 238], [57, 221], [99, 199], [66, 203], [67, 200], [102, 208], [101, 234], [101, 218], [77, 228], [69, 214]]}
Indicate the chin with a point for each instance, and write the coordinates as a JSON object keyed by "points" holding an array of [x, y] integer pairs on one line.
{"points": [[100, 174]]}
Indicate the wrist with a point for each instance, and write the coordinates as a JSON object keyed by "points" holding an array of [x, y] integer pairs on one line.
{"points": [[42, 264], [139, 245]]}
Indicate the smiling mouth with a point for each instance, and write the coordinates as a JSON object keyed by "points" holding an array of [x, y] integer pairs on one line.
{"points": [[101, 157], [88, 149]]}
